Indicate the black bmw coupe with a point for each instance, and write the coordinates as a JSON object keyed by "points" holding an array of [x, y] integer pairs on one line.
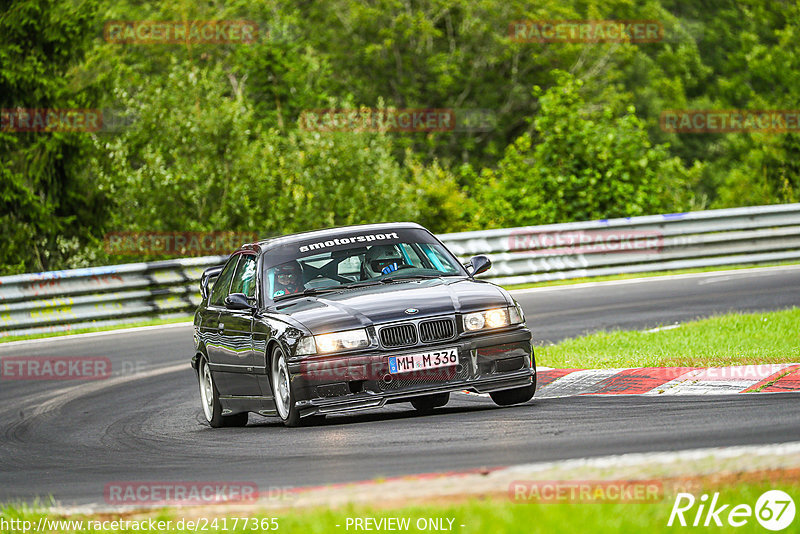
{"points": [[352, 318]]}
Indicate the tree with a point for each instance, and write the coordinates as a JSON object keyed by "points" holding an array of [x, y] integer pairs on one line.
{"points": [[197, 158], [582, 163], [48, 204]]}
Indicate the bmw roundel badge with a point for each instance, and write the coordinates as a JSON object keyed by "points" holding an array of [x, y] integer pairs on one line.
{"points": [[412, 311]]}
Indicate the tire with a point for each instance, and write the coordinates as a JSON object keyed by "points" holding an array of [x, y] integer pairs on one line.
{"points": [[209, 399], [428, 403], [281, 382], [507, 397]]}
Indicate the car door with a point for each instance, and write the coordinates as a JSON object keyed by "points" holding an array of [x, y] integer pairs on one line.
{"points": [[210, 322], [236, 359]]}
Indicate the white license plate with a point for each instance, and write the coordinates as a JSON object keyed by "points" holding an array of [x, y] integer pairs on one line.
{"points": [[424, 360]]}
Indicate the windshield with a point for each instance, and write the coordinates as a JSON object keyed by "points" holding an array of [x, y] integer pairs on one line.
{"points": [[354, 260]]}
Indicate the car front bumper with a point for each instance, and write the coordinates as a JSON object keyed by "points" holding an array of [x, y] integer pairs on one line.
{"points": [[487, 362]]}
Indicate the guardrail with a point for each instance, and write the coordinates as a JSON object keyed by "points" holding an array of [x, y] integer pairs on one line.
{"points": [[732, 236], [100, 296]]}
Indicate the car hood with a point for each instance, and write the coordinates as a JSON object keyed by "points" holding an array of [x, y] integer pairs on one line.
{"points": [[366, 306]]}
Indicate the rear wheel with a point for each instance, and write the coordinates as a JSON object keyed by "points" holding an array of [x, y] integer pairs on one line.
{"points": [[429, 402], [209, 398]]}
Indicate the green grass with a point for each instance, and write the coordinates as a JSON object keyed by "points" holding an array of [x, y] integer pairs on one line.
{"points": [[732, 339], [150, 322], [649, 274], [478, 516]]}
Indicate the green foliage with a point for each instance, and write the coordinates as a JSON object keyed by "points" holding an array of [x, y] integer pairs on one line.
{"points": [[749, 52], [196, 158], [768, 172], [48, 204], [587, 163], [214, 141], [444, 207]]}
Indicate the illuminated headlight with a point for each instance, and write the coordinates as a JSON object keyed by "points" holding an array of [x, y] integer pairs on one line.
{"points": [[326, 343], [495, 318]]}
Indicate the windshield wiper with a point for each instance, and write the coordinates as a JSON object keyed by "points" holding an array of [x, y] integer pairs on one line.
{"points": [[308, 292], [387, 280], [365, 283], [410, 277]]}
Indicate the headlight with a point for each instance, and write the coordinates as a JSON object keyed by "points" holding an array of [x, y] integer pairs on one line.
{"points": [[516, 314], [474, 321], [325, 343], [495, 318], [306, 345]]}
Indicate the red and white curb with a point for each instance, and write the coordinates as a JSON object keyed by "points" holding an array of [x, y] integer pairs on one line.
{"points": [[768, 378]]}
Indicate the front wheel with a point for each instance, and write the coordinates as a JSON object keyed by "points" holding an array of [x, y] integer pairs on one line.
{"points": [[282, 390], [507, 397], [209, 398], [427, 403]]}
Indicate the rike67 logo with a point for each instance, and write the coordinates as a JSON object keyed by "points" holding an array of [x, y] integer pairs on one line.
{"points": [[774, 510]]}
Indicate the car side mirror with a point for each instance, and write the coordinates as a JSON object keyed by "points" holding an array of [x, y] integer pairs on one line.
{"points": [[238, 301], [478, 264], [205, 280]]}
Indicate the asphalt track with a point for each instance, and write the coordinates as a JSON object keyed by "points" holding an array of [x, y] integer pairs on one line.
{"points": [[69, 439]]}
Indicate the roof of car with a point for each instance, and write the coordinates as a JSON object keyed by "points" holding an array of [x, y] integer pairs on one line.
{"points": [[329, 232]]}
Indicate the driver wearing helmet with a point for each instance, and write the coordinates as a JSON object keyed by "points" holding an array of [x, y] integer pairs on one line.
{"points": [[288, 279], [381, 259]]}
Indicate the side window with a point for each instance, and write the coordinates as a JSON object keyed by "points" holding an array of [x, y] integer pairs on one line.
{"points": [[244, 281], [223, 282]]}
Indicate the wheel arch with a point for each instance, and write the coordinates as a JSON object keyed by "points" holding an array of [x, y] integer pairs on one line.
{"points": [[271, 344], [198, 355], [270, 349]]}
